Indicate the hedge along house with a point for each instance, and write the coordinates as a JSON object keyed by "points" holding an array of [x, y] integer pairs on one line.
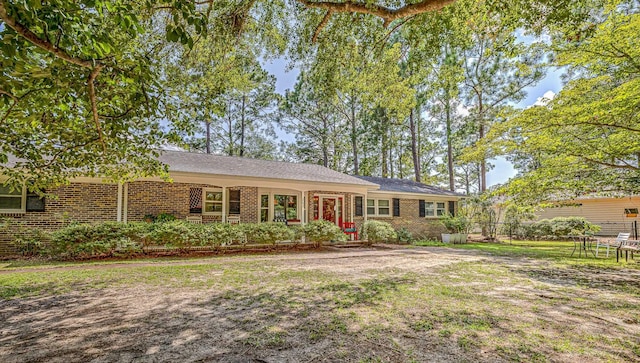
{"points": [[215, 188]]}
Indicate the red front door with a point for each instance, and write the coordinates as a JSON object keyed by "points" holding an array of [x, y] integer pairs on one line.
{"points": [[329, 209]]}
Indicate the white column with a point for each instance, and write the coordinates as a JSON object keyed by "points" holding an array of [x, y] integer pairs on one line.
{"points": [[224, 204], [119, 204], [352, 206], [304, 208], [125, 206], [364, 206]]}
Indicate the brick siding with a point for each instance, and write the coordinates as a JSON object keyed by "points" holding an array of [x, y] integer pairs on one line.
{"points": [[80, 202], [94, 203]]}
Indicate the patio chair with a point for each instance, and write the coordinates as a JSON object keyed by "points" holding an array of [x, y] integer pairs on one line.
{"points": [[233, 219], [611, 243], [194, 219], [349, 228], [627, 246]]}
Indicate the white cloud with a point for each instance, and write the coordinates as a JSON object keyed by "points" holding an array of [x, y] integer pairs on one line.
{"points": [[546, 97], [461, 110]]}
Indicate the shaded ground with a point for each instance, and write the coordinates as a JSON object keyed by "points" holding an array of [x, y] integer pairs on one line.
{"points": [[396, 305]]}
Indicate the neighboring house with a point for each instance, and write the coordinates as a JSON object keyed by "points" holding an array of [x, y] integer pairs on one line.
{"points": [[614, 215], [218, 188]]}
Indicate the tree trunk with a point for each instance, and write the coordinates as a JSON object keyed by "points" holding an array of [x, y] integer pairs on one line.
{"points": [[242, 124], [384, 143], [452, 185], [483, 164], [208, 141], [325, 144], [414, 146], [354, 141]]}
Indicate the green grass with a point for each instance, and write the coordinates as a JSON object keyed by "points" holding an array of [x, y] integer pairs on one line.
{"points": [[523, 306], [558, 251]]}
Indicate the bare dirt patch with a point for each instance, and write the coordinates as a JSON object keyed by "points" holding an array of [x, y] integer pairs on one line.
{"points": [[363, 305]]}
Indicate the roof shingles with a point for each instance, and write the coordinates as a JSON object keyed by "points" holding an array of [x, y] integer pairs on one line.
{"points": [[407, 186], [245, 167]]}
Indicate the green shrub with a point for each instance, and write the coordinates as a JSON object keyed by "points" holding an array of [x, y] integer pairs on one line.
{"points": [[221, 234], [164, 217], [267, 233], [178, 234], [33, 242], [109, 238], [323, 231], [557, 228], [457, 224], [404, 235], [376, 232]]}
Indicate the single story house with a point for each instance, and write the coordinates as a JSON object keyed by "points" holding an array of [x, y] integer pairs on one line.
{"points": [[613, 214], [221, 188]]}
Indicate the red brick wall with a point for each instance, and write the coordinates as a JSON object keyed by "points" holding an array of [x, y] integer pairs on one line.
{"points": [[81, 202], [92, 203], [420, 227]]}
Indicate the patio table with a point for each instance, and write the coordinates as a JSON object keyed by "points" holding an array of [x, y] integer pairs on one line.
{"points": [[580, 243]]}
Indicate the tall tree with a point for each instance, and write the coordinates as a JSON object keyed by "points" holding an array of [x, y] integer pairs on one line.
{"points": [[586, 139]]}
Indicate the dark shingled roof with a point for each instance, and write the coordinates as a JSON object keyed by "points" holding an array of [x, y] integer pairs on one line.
{"points": [[407, 186], [180, 161]]}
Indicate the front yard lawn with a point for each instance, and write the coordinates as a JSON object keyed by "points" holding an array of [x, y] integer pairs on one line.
{"points": [[472, 302]]}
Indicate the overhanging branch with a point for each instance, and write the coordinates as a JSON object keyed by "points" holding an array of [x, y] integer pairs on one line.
{"points": [[41, 43], [387, 14], [94, 103]]}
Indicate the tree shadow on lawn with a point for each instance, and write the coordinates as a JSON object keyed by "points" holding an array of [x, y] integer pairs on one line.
{"points": [[144, 325], [605, 279]]}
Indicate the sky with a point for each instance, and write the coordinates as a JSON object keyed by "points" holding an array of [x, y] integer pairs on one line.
{"points": [[503, 170]]}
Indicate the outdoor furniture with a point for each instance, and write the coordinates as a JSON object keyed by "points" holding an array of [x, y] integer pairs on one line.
{"points": [[627, 246], [194, 219], [349, 228], [233, 219], [612, 243], [580, 243]]}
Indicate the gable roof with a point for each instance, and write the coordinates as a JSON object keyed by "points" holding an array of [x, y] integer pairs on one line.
{"points": [[407, 186], [180, 161]]}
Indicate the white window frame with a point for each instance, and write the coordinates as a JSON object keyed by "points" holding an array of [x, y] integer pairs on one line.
{"points": [[204, 201], [433, 207], [376, 206], [428, 209], [270, 210], [23, 202]]}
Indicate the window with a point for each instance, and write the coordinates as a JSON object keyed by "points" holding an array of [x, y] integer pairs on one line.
{"points": [[285, 207], [371, 207], [429, 211], [212, 201], [358, 206], [12, 201], [433, 209], [35, 203], [264, 208], [195, 200], [378, 207], [234, 202]]}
